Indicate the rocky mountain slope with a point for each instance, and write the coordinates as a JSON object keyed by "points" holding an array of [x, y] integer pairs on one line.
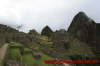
{"points": [[83, 27], [86, 30]]}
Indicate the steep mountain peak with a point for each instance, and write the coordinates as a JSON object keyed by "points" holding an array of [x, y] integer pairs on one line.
{"points": [[82, 13], [83, 27], [81, 17], [47, 31], [47, 27]]}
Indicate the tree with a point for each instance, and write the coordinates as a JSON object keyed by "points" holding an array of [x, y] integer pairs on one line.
{"points": [[34, 32]]}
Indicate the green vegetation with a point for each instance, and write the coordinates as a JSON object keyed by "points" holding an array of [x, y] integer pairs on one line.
{"points": [[14, 53], [14, 44], [35, 46], [28, 59], [44, 48], [45, 57], [79, 48], [79, 57], [27, 49], [40, 62]]}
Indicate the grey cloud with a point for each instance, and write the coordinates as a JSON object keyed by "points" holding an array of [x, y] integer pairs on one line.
{"points": [[35, 14]]}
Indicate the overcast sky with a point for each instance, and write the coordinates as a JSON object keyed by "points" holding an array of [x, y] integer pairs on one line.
{"points": [[35, 14]]}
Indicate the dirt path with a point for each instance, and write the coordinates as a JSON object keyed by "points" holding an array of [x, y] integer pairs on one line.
{"points": [[3, 51]]}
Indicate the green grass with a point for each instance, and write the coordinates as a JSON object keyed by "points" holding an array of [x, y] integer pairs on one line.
{"points": [[27, 49], [79, 48], [41, 61], [35, 46], [14, 53], [31, 61], [45, 57], [15, 44], [28, 59]]}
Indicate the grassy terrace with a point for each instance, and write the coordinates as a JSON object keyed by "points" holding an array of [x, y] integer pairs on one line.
{"points": [[30, 60], [14, 53], [15, 44], [27, 58]]}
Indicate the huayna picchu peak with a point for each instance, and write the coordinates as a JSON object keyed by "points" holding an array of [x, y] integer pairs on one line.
{"points": [[86, 30]]}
